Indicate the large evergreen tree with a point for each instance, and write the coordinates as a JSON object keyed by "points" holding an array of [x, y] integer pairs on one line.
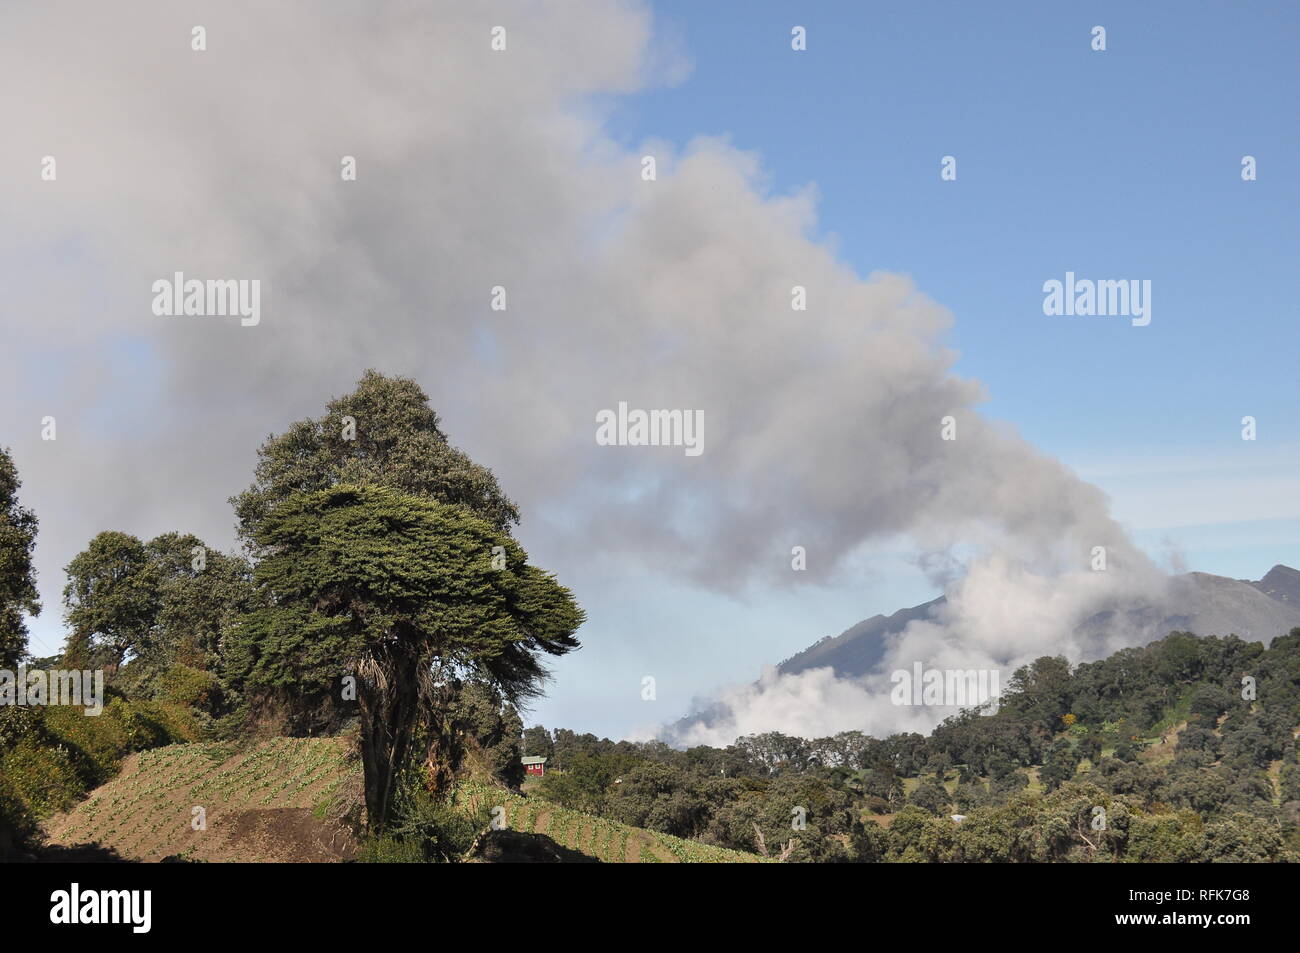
{"points": [[404, 594], [383, 433]]}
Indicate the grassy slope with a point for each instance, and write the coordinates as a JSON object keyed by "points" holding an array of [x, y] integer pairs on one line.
{"points": [[267, 802], [596, 837], [273, 801]]}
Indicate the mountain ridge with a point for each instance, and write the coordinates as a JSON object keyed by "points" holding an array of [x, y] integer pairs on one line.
{"points": [[1209, 605]]}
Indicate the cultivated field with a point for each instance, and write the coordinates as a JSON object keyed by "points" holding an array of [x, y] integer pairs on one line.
{"points": [[265, 803], [597, 838], [279, 801]]}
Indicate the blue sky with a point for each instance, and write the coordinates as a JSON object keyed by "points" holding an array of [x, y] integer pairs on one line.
{"points": [[1123, 163], [1117, 164]]}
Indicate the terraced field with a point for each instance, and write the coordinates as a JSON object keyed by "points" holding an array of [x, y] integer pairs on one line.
{"points": [[268, 802], [275, 802], [598, 838]]}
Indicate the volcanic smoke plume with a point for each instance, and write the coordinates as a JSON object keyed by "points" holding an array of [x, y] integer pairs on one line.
{"points": [[479, 169]]}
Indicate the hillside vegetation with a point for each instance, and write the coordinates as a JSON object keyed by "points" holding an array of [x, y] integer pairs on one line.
{"points": [[1182, 750], [51, 757], [1155, 754], [291, 799], [590, 836]]}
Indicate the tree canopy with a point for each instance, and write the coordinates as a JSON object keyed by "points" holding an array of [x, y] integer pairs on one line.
{"points": [[410, 597], [17, 579], [111, 597], [384, 433], [162, 602]]}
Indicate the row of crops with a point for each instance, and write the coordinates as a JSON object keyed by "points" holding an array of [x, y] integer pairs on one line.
{"points": [[148, 811], [606, 840], [150, 807]]}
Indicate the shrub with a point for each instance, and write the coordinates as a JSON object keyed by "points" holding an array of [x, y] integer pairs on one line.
{"points": [[42, 776], [16, 825], [50, 757], [189, 687], [392, 849]]}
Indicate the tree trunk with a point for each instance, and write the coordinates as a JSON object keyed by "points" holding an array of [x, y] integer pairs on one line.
{"points": [[446, 749], [389, 696]]}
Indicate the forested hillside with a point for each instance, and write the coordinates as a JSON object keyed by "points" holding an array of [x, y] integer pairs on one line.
{"points": [[1183, 750], [1150, 755]]}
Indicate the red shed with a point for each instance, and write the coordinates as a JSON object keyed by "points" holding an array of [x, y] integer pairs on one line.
{"points": [[534, 764]]}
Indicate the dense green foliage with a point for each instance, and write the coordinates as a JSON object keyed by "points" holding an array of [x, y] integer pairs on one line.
{"points": [[383, 433], [17, 597], [1078, 764], [161, 604], [383, 553], [351, 569], [17, 580], [51, 757], [111, 598], [404, 595]]}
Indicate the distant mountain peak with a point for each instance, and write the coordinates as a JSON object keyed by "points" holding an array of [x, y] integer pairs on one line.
{"points": [[1281, 583], [1281, 572], [1203, 603]]}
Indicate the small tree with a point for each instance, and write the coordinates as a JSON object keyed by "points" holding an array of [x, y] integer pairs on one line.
{"points": [[111, 596], [17, 581], [537, 741], [200, 592], [931, 796], [404, 594]]}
